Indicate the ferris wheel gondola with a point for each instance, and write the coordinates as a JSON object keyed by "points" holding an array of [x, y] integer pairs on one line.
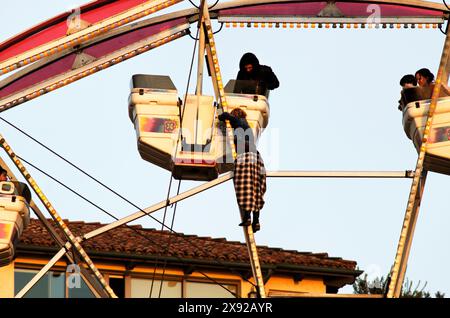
{"points": [[186, 138], [14, 217], [417, 102]]}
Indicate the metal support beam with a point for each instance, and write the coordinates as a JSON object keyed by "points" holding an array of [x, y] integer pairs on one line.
{"points": [[409, 236], [201, 61], [159, 206], [228, 176], [254, 261], [213, 62], [55, 215], [214, 66], [418, 183], [340, 174], [51, 84], [218, 181], [84, 35], [92, 284], [41, 273]]}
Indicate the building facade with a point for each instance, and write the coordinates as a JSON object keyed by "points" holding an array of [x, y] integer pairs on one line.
{"points": [[146, 263]]}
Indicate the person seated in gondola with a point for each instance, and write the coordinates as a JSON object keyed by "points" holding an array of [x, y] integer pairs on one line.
{"points": [[407, 81], [20, 187], [251, 70], [249, 171], [425, 79]]}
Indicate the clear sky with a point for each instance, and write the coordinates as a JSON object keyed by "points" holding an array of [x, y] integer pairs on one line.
{"points": [[336, 109]]}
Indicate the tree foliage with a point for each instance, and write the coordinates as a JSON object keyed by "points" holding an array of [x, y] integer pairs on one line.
{"points": [[379, 285]]}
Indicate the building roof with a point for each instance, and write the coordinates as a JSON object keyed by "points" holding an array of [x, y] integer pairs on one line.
{"points": [[129, 244]]}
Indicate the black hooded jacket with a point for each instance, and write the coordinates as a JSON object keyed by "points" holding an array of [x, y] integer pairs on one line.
{"points": [[261, 73]]}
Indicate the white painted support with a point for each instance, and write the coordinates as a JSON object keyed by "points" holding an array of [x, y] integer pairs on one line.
{"points": [[92, 284], [159, 206], [229, 176], [340, 174]]}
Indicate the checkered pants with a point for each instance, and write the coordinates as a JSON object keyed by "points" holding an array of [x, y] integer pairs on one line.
{"points": [[249, 181]]}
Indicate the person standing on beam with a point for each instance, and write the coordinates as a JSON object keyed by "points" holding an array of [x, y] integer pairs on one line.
{"points": [[249, 171]]}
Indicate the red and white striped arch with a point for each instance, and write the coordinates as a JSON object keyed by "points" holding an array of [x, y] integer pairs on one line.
{"points": [[72, 61]]}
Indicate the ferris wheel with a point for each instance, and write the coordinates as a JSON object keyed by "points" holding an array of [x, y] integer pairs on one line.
{"points": [[178, 131]]}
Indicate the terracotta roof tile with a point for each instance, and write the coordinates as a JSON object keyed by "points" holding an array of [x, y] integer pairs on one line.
{"points": [[127, 241]]}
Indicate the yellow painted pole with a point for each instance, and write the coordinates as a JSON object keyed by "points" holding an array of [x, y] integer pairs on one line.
{"points": [[60, 223], [418, 183]]}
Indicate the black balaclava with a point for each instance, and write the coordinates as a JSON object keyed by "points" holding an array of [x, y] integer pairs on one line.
{"points": [[249, 58]]}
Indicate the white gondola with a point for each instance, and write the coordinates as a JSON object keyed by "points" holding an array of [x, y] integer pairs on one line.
{"points": [[417, 102], [14, 217], [198, 149]]}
